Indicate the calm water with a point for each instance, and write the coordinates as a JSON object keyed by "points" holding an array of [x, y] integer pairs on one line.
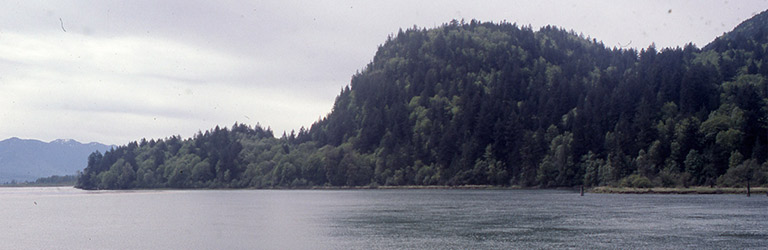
{"points": [[67, 218]]}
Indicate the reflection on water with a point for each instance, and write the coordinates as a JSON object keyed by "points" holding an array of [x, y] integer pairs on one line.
{"points": [[66, 218]]}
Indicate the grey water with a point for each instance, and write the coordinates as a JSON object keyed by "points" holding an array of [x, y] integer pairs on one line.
{"points": [[68, 218]]}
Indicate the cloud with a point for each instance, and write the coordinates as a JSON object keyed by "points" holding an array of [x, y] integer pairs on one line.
{"points": [[119, 88], [124, 70], [107, 57]]}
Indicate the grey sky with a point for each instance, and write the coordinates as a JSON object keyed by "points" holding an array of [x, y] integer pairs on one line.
{"points": [[124, 70]]}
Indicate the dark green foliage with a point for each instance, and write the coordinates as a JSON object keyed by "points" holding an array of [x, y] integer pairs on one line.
{"points": [[484, 103]]}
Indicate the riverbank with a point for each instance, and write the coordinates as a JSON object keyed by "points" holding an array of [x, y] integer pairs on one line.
{"points": [[679, 190], [413, 187], [603, 189]]}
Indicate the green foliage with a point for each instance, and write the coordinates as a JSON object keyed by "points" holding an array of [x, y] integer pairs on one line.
{"points": [[496, 104], [636, 181], [747, 171], [694, 166], [557, 168], [592, 169]]}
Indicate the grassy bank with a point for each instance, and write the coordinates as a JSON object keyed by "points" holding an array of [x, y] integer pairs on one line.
{"points": [[679, 190]]}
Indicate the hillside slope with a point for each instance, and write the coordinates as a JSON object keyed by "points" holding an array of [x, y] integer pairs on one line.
{"points": [[485, 103]]}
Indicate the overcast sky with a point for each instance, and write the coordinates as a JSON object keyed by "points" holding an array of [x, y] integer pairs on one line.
{"points": [[118, 71]]}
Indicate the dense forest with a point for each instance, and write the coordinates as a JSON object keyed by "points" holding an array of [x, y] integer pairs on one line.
{"points": [[497, 104]]}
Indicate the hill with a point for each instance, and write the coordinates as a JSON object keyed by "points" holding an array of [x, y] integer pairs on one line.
{"points": [[498, 104], [28, 160]]}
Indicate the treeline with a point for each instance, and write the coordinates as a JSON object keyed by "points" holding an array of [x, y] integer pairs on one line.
{"points": [[497, 104], [54, 180]]}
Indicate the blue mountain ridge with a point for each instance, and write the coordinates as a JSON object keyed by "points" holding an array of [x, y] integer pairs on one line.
{"points": [[29, 159]]}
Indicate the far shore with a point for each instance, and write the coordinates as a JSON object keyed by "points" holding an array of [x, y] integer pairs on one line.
{"points": [[599, 190], [679, 190], [34, 185], [413, 187]]}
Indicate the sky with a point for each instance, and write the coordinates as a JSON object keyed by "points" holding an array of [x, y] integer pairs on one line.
{"points": [[118, 71]]}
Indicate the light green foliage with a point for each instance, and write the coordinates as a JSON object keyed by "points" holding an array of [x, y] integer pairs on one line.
{"points": [[747, 171], [490, 170], [591, 165], [557, 168], [636, 181]]}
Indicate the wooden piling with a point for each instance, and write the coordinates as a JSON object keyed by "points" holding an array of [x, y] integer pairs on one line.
{"points": [[582, 190], [748, 191]]}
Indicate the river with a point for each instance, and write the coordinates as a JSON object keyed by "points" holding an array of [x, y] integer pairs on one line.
{"points": [[68, 218]]}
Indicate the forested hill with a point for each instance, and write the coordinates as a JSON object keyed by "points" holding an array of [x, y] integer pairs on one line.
{"points": [[499, 104]]}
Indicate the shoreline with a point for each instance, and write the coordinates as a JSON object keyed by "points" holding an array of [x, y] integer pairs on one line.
{"points": [[678, 190], [50, 185], [484, 187], [758, 191]]}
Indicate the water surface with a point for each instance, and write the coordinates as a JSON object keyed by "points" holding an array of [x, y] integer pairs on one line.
{"points": [[67, 218]]}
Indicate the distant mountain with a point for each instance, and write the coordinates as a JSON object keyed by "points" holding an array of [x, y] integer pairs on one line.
{"points": [[27, 160]]}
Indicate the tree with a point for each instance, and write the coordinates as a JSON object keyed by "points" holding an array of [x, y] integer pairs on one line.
{"points": [[490, 170], [557, 168], [202, 172], [741, 175], [694, 165], [591, 165]]}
